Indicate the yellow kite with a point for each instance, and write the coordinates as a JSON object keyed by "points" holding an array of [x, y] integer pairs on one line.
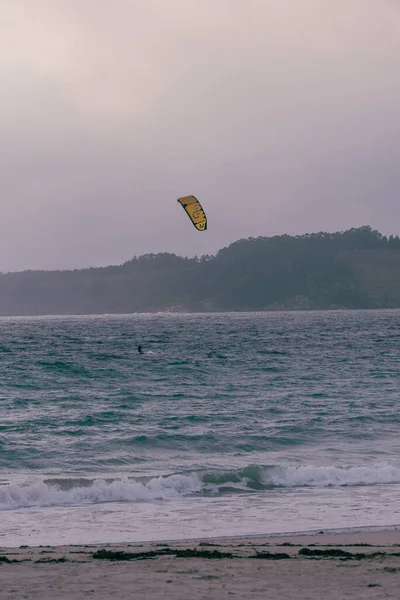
{"points": [[195, 212]]}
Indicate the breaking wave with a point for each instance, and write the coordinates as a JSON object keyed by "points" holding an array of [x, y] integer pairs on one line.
{"points": [[69, 492]]}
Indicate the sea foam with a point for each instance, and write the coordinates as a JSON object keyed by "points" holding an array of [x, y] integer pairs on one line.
{"points": [[67, 492]]}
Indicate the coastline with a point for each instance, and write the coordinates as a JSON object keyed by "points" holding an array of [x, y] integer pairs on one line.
{"points": [[215, 311], [349, 564]]}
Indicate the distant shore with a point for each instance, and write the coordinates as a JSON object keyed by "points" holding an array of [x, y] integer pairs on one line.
{"points": [[352, 565], [199, 312], [354, 269]]}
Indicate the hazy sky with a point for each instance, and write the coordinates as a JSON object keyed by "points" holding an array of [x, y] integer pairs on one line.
{"points": [[281, 116]]}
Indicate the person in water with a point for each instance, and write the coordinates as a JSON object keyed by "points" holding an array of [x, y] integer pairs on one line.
{"points": [[140, 349]]}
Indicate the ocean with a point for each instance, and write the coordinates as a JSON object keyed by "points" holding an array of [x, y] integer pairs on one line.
{"points": [[228, 424]]}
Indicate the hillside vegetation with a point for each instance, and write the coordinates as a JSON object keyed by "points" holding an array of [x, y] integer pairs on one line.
{"points": [[359, 268]]}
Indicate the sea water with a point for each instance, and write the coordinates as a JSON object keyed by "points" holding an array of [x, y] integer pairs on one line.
{"points": [[228, 424]]}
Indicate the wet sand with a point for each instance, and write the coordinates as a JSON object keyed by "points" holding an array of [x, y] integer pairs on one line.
{"points": [[325, 566]]}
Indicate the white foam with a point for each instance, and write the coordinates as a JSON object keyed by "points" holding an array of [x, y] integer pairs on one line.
{"points": [[125, 490], [69, 493], [313, 476]]}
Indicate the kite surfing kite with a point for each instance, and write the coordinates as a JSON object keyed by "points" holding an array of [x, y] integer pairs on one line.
{"points": [[194, 211]]}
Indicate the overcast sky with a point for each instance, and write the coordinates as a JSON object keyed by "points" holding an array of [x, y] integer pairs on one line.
{"points": [[281, 116]]}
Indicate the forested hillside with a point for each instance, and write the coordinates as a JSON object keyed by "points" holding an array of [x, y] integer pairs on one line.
{"points": [[359, 268]]}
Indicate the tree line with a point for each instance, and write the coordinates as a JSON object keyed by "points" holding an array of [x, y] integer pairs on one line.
{"points": [[358, 268]]}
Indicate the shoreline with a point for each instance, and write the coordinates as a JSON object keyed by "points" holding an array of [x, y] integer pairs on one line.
{"points": [[197, 312], [274, 535], [318, 536], [311, 533], [315, 537], [349, 564]]}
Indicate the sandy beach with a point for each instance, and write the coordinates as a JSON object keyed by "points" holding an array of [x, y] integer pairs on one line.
{"points": [[321, 566]]}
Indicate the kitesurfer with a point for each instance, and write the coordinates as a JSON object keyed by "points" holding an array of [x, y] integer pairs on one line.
{"points": [[140, 349]]}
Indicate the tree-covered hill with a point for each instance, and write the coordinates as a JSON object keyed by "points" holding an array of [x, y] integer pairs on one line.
{"points": [[359, 268]]}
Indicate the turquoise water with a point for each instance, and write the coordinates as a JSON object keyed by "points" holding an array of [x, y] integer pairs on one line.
{"points": [[228, 423]]}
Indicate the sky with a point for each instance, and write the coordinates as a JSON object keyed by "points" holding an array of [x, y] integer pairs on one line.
{"points": [[280, 116]]}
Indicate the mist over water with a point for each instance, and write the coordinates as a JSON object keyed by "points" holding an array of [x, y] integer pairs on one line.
{"points": [[222, 412]]}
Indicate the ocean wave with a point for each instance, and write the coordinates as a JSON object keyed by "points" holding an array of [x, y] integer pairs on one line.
{"points": [[69, 492], [322, 476]]}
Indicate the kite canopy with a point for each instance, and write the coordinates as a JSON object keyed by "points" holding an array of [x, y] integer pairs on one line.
{"points": [[195, 212]]}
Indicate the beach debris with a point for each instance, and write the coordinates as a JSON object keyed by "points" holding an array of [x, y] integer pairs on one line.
{"points": [[185, 553], [329, 553], [51, 560], [271, 555], [5, 559], [344, 555], [121, 555]]}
